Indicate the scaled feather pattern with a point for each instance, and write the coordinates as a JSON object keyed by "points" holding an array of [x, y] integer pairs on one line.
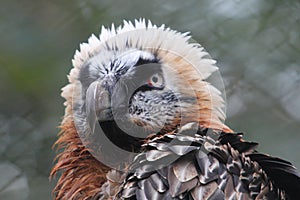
{"points": [[195, 156], [228, 168]]}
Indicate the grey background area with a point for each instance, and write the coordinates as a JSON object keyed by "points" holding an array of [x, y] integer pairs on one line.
{"points": [[256, 44]]}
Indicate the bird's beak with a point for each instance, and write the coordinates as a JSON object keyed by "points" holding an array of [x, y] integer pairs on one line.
{"points": [[98, 104]]}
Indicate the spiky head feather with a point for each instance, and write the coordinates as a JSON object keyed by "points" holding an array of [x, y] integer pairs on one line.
{"points": [[174, 50]]}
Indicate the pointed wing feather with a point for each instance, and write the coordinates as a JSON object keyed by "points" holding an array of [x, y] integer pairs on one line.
{"points": [[282, 172], [229, 169]]}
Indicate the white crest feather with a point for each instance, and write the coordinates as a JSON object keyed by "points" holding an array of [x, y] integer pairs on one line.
{"points": [[144, 36]]}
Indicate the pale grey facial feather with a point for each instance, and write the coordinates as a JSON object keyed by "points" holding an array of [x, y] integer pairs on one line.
{"points": [[125, 76]]}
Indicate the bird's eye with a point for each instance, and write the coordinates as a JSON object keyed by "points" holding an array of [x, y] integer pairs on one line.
{"points": [[156, 80]]}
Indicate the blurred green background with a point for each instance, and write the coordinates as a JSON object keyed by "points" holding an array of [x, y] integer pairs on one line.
{"points": [[256, 44]]}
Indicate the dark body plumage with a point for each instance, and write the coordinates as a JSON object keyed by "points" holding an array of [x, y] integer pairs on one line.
{"points": [[208, 165], [140, 99]]}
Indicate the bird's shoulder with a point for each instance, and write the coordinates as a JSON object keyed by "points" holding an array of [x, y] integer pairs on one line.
{"points": [[195, 163]]}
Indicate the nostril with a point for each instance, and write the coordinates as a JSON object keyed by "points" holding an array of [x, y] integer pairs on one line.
{"points": [[103, 100]]}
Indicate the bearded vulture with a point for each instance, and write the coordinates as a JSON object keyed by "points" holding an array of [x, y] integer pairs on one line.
{"points": [[144, 120]]}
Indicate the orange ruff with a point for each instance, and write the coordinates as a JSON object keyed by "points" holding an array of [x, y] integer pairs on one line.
{"points": [[82, 175]]}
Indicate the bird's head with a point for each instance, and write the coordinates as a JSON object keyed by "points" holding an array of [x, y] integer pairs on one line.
{"points": [[141, 79]]}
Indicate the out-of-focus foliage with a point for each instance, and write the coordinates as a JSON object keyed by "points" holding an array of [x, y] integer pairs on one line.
{"points": [[256, 43]]}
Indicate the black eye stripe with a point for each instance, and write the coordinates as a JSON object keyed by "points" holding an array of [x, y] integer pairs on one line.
{"points": [[143, 61], [144, 88]]}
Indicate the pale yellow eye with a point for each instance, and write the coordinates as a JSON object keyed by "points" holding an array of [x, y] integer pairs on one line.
{"points": [[156, 80]]}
